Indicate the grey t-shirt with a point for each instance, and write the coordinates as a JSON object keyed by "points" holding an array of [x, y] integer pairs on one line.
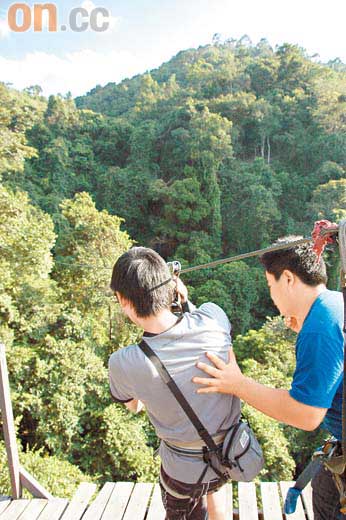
{"points": [[133, 376]]}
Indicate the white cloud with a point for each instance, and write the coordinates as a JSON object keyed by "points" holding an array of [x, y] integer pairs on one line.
{"points": [[77, 72], [88, 5], [318, 27], [4, 29]]}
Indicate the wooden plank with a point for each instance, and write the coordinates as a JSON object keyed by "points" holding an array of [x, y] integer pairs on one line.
{"points": [[4, 503], [137, 506], [79, 502], [8, 426], [307, 499], [118, 501], [156, 509], [229, 501], [15, 509], [54, 509], [96, 509], [34, 509], [299, 512], [247, 501], [270, 501]]}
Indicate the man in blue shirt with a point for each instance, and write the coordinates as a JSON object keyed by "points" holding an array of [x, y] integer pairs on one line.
{"points": [[297, 284]]}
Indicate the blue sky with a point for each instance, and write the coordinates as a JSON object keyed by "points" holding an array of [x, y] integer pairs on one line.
{"points": [[145, 33]]}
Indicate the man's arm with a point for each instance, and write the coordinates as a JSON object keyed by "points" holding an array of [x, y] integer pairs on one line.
{"points": [[120, 388], [276, 403], [135, 406]]}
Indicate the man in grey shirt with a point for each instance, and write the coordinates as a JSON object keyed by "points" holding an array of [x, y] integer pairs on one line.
{"points": [[144, 288]]}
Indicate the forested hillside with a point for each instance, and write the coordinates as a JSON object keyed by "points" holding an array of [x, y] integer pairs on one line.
{"points": [[217, 152]]}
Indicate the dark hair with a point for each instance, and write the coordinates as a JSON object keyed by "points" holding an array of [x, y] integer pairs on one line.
{"points": [[142, 277], [300, 260]]}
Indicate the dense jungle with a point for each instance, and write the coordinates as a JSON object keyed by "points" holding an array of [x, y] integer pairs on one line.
{"points": [[219, 151]]}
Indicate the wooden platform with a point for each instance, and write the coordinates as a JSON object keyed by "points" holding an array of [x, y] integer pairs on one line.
{"points": [[128, 501]]}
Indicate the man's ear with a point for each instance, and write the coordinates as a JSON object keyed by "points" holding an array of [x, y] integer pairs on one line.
{"points": [[124, 302], [128, 309], [289, 276]]}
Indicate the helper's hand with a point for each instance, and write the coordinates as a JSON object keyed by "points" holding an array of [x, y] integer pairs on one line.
{"points": [[225, 378], [181, 290]]}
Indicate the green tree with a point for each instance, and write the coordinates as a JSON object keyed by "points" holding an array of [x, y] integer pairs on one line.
{"points": [[27, 295], [234, 288], [264, 74], [249, 205], [200, 143], [329, 171], [126, 192], [58, 384], [18, 112], [88, 245], [328, 201], [330, 89], [112, 142], [180, 208], [119, 451]]}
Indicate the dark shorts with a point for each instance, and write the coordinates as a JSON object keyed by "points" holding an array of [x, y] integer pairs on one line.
{"points": [[194, 506], [325, 497]]}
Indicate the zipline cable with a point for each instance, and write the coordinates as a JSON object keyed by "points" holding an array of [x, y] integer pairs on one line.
{"points": [[258, 252]]}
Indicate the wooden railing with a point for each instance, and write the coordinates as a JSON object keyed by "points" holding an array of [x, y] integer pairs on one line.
{"points": [[19, 476]]}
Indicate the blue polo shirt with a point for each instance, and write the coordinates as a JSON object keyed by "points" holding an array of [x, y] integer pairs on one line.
{"points": [[317, 380]]}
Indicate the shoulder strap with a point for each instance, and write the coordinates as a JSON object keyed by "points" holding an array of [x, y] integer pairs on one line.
{"points": [[167, 379]]}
